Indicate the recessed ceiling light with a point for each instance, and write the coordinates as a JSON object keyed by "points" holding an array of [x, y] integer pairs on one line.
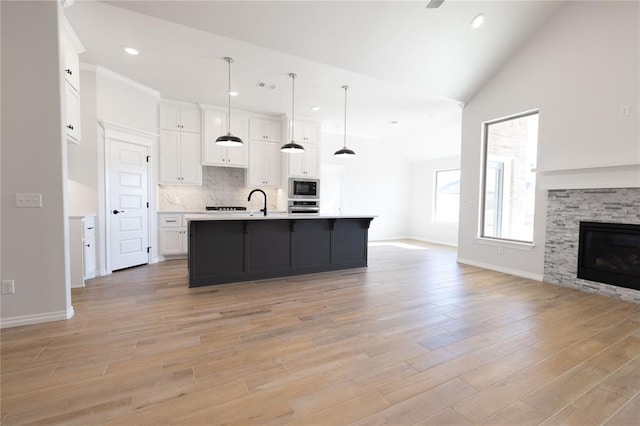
{"points": [[315, 108], [394, 122], [477, 21], [131, 51], [233, 93]]}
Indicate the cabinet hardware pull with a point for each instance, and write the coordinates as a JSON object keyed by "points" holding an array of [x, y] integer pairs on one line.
{"points": [[91, 227], [118, 211], [69, 126], [88, 245], [68, 71]]}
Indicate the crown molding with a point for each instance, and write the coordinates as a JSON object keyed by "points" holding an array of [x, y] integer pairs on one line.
{"points": [[105, 72], [71, 36]]}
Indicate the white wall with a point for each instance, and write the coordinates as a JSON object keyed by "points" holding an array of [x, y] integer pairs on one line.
{"points": [[106, 96], [578, 70], [126, 102], [377, 182], [34, 240], [421, 220]]}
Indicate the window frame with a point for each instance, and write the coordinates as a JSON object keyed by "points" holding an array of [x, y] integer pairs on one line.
{"points": [[483, 181], [435, 197]]}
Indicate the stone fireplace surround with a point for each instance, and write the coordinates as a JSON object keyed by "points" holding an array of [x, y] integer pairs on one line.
{"points": [[565, 209]]}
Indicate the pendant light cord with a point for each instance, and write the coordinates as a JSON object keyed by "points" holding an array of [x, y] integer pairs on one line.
{"points": [[293, 97], [345, 116], [229, 60]]}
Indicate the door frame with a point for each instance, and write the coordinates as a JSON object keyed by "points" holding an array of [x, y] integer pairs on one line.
{"points": [[117, 132]]}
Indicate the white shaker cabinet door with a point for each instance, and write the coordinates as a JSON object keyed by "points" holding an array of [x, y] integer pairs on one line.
{"points": [[170, 157], [190, 158], [72, 113]]}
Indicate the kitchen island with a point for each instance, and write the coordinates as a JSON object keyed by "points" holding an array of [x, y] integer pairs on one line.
{"points": [[225, 249]]}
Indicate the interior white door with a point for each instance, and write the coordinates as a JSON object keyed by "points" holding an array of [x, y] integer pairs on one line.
{"points": [[129, 216]]}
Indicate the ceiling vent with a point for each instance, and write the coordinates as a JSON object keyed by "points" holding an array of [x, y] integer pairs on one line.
{"points": [[264, 85]]}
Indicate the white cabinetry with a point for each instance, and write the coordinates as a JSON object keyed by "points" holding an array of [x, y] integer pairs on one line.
{"points": [[72, 113], [215, 125], [264, 163], [264, 151], [265, 129], [306, 131], [307, 163], [71, 69], [82, 251], [180, 145], [179, 117], [173, 236]]}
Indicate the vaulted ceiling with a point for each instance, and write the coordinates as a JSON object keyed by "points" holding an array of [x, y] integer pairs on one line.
{"points": [[402, 61]]}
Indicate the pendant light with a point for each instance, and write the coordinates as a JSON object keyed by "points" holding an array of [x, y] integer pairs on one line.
{"points": [[229, 139], [292, 147], [344, 151]]}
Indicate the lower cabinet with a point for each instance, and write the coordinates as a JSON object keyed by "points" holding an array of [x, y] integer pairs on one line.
{"points": [[172, 238], [82, 250]]}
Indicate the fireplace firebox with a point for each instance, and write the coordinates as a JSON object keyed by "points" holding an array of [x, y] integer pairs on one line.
{"points": [[610, 253]]}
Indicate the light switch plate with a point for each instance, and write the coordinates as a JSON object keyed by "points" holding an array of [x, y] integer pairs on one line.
{"points": [[8, 287], [29, 200]]}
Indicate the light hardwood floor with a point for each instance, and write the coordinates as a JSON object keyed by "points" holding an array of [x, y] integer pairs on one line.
{"points": [[413, 339]]}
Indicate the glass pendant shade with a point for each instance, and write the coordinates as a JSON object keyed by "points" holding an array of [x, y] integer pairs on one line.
{"points": [[229, 139], [345, 152], [292, 147]]}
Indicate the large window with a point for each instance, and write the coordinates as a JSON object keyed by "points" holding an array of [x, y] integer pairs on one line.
{"points": [[447, 197], [509, 183]]}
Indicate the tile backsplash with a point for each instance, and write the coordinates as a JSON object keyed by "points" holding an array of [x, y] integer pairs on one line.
{"points": [[221, 186]]}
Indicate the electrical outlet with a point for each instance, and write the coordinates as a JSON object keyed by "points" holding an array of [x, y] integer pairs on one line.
{"points": [[29, 200], [8, 287]]}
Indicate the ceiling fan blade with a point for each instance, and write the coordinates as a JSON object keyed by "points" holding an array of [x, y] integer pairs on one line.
{"points": [[434, 4]]}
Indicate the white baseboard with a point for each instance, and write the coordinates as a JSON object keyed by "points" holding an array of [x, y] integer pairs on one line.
{"points": [[387, 239], [516, 272], [37, 318], [425, 240]]}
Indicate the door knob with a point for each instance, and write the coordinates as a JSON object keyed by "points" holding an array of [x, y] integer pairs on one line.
{"points": [[118, 211]]}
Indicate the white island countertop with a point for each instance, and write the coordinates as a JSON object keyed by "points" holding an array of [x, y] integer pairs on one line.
{"points": [[271, 216]]}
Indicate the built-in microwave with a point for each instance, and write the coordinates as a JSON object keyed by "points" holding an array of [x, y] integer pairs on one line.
{"points": [[304, 188]]}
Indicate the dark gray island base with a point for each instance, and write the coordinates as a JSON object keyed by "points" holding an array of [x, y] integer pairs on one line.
{"points": [[253, 248]]}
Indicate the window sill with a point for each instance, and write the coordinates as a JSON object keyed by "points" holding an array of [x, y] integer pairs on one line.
{"points": [[505, 243]]}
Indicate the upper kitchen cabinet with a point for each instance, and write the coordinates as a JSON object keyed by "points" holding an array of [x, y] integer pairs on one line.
{"points": [[72, 113], [180, 144], [215, 125], [307, 163], [72, 47], [180, 158], [266, 129], [71, 63], [306, 131], [264, 164], [180, 117]]}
